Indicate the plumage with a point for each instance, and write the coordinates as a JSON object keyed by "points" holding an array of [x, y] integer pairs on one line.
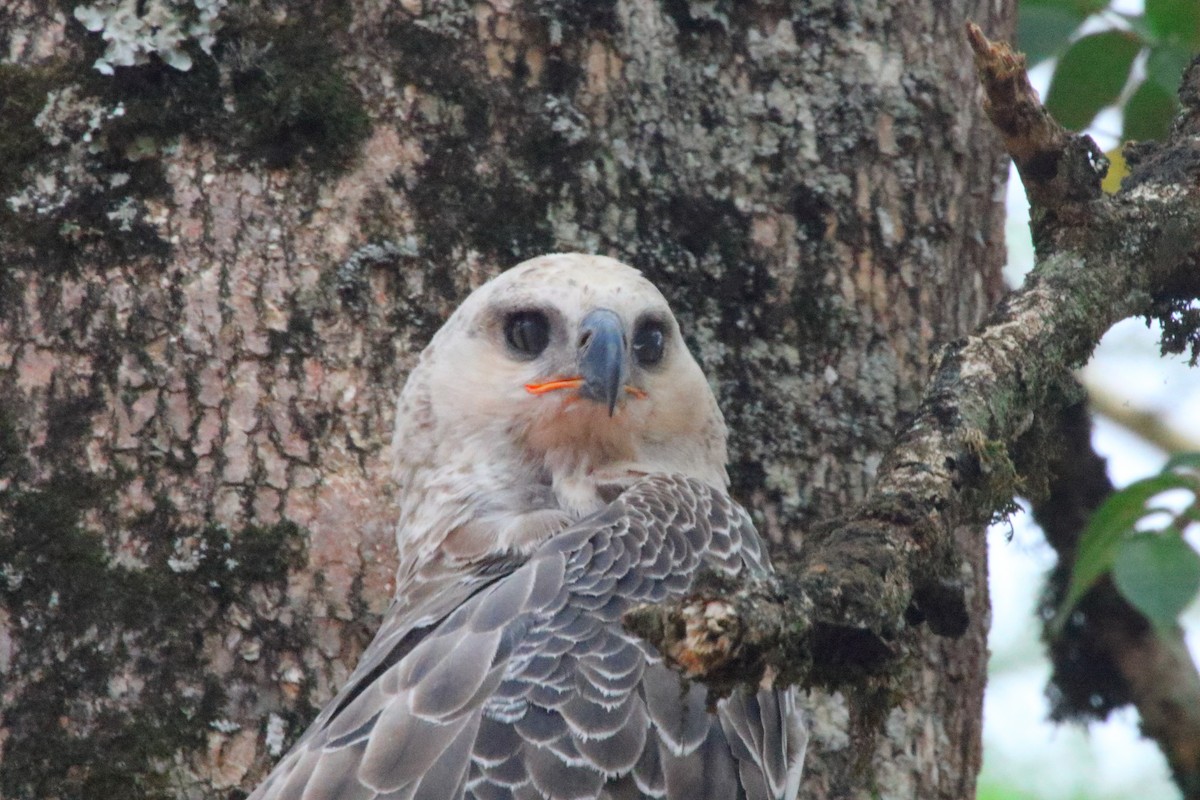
{"points": [[550, 482]]}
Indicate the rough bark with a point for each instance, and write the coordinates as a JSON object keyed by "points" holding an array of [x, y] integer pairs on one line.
{"points": [[209, 300], [1108, 654], [992, 423]]}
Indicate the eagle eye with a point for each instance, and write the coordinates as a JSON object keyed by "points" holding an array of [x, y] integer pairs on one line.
{"points": [[527, 332], [648, 341]]}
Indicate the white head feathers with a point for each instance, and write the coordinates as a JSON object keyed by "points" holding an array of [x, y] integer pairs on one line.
{"points": [[504, 432]]}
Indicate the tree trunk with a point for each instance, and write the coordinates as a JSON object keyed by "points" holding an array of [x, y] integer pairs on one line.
{"points": [[213, 282]]}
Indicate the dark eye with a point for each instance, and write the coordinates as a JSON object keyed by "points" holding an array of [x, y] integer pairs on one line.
{"points": [[648, 342], [527, 332]]}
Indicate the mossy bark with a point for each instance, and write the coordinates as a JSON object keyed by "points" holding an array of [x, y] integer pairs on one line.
{"points": [[198, 360]]}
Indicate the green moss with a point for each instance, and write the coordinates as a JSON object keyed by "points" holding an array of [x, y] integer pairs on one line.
{"points": [[90, 625], [998, 482], [292, 102], [83, 226], [576, 19], [433, 62], [12, 452], [57, 579], [84, 618], [161, 104], [693, 24], [689, 244], [474, 192], [22, 150], [23, 97], [272, 93]]}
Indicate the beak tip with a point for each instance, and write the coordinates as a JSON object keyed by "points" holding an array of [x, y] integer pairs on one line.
{"points": [[602, 360]]}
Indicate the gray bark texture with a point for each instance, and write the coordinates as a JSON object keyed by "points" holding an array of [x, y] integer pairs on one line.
{"points": [[213, 282]]}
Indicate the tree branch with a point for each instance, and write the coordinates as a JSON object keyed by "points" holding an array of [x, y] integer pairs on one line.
{"points": [[1058, 168], [838, 612], [1144, 423], [1108, 654]]}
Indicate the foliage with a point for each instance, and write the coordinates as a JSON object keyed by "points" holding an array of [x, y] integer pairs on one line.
{"points": [[1105, 57], [1098, 50], [1140, 543]]}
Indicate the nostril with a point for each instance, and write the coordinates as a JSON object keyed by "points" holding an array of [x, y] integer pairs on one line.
{"points": [[584, 338]]}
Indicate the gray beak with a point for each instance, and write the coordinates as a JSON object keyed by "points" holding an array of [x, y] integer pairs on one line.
{"points": [[602, 363]]}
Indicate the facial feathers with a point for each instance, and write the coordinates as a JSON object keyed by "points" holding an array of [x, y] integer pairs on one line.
{"points": [[472, 434]]}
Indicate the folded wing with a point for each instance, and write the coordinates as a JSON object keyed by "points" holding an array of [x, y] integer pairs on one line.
{"points": [[530, 687]]}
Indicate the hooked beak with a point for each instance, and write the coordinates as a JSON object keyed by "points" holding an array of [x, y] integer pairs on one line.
{"points": [[602, 363], [603, 368]]}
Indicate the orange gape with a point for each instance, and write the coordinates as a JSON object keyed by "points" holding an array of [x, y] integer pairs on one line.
{"points": [[572, 383], [550, 386]]}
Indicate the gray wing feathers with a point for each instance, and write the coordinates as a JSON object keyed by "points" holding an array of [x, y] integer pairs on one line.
{"points": [[679, 710], [530, 688], [336, 775], [706, 772], [765, 729]]}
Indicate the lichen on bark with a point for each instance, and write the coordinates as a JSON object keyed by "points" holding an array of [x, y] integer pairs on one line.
{"points": [[83, 151], [812, 187]]}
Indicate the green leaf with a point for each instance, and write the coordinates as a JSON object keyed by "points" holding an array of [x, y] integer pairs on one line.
{"points": [[1185, 461], [1044, 30], [1112, 522], [1149, 112], [1090, 76], [1044, 27], [1166, 64], [1159, 573], [1174, 20]]}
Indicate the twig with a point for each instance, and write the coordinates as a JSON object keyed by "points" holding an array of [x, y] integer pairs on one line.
{"points": [[1141, 422], [1058, 168]]}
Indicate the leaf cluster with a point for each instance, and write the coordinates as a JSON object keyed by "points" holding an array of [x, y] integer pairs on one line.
{"points": [[1140, 543], [1100, 55]]}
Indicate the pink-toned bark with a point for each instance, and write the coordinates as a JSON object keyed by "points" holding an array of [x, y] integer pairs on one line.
{"points": [[814, 189]]}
